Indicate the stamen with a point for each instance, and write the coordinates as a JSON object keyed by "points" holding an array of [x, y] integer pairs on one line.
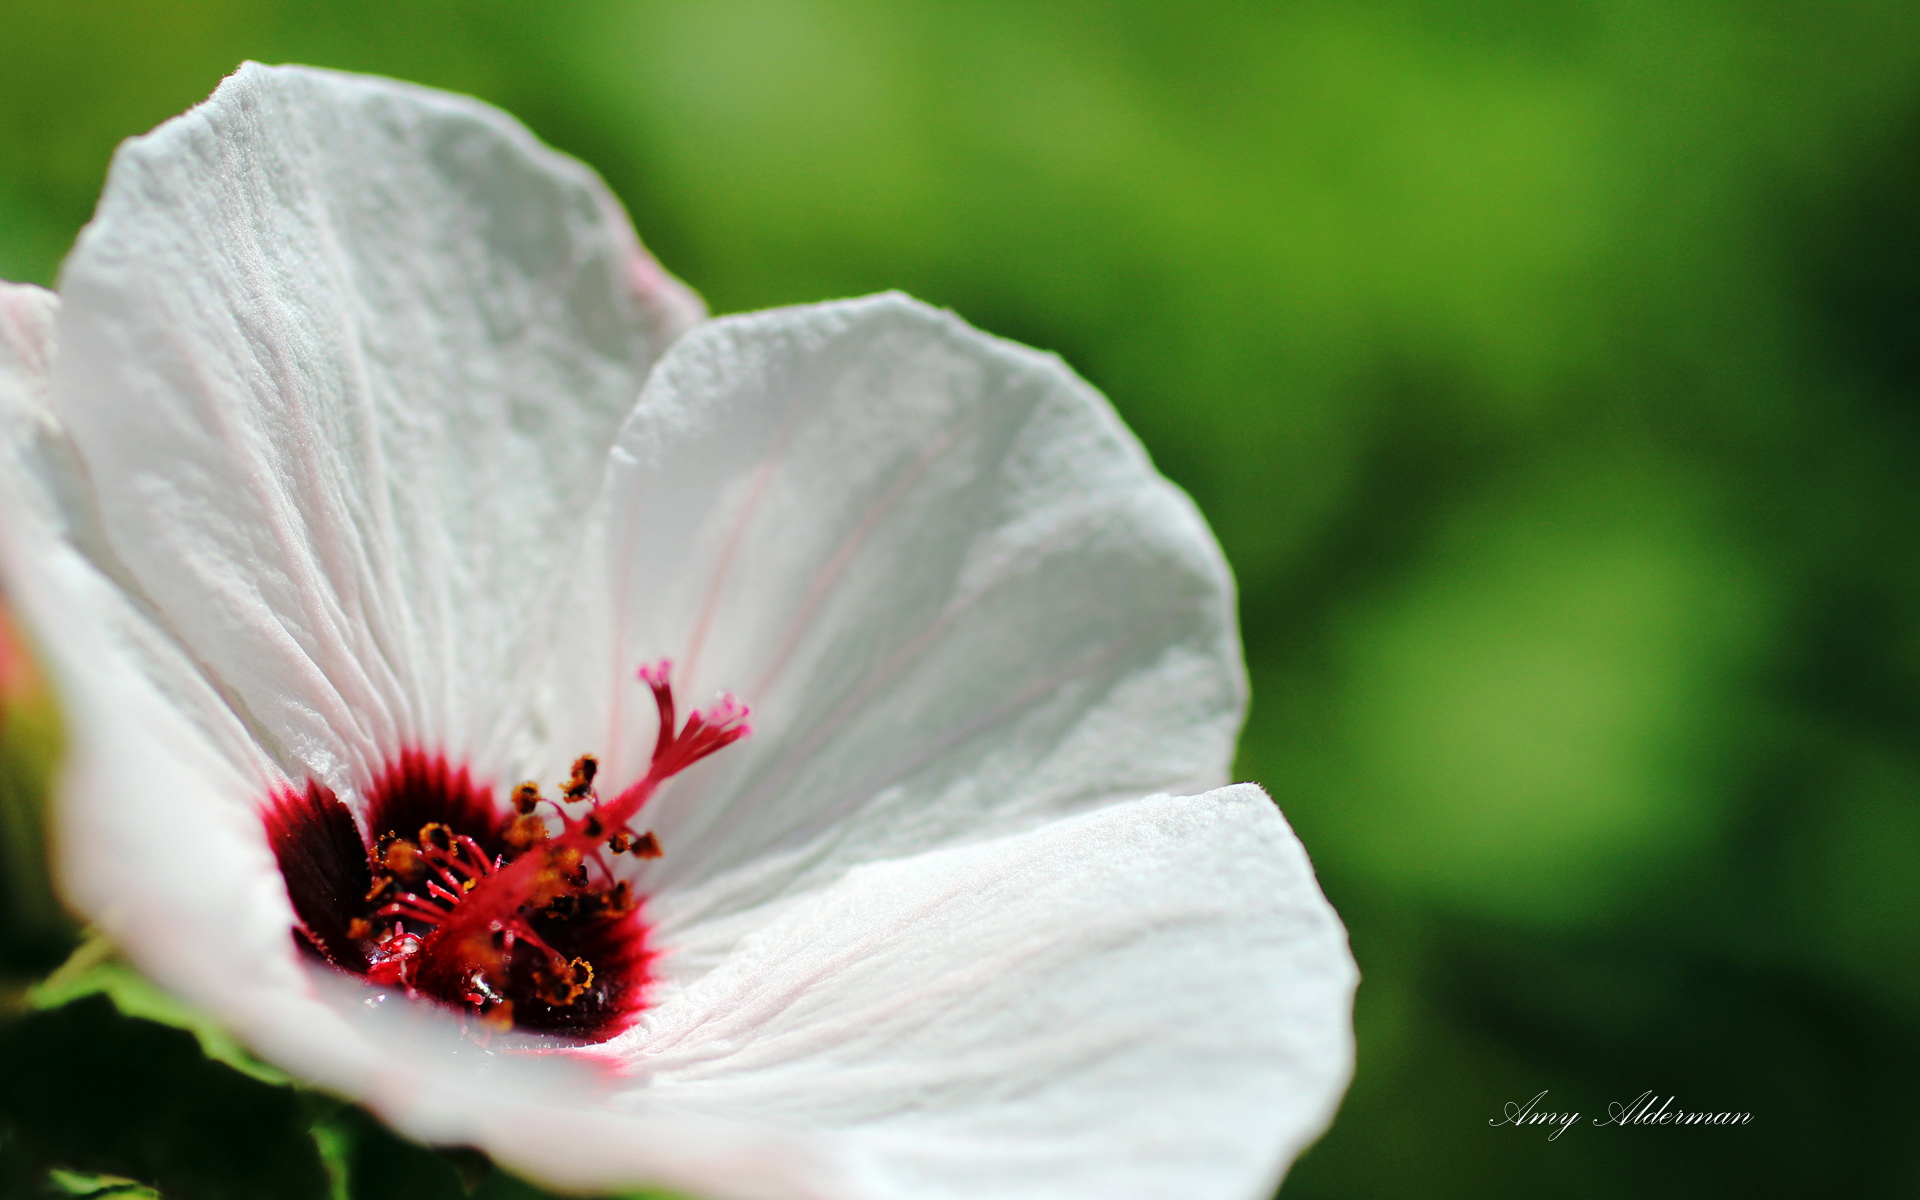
{"points": [[579, 785], [531, 930], [556, 867]]}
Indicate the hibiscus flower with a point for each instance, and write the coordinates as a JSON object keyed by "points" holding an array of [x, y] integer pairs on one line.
{"points": [[409, 552]]}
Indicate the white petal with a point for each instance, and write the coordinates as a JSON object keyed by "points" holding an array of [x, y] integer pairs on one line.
{"points": [[162, 845], [1150, 1000], [338, 364], [955, 591], [26, 339], [342, 358], [142, 723], [27, 427]]}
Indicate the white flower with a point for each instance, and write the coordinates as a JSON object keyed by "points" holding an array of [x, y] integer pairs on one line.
{"points": [[325, 472]]}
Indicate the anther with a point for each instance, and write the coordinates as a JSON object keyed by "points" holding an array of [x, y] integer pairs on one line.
{"points": [[567, 981], [619, 901], [526, 798], [579, 785], [402, 858], [647, 845], [525, 830]]}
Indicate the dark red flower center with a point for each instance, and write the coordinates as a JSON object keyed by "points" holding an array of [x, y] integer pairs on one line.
{"points": [[513, 913]]}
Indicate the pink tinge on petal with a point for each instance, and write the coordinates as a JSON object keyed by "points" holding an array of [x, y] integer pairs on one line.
{"points": [[25, 325], [19, 677], [673, 306], [650, 283]]}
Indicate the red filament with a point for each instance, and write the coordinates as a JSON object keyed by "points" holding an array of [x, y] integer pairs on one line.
{"points": [[517, 916]]}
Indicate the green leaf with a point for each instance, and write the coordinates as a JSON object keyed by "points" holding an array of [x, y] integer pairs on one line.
{"points": [[86, 1088], [368, 1161], [95, 969], [77, 1183], [358, 1157]]}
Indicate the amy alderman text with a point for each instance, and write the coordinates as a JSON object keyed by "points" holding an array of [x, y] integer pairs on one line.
{"points": [[1646, 1109]]}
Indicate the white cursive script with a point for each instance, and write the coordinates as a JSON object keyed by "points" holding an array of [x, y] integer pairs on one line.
{"points": [[1526, 1114], [1643, 1112]]}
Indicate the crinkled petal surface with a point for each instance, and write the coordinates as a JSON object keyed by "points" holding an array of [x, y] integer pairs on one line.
{"points": [[342, 359], [957, 595], [1146, 1000], [331, 448]]}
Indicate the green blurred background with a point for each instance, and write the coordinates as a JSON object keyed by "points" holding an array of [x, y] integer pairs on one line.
{"points": [[1550, 372]]}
